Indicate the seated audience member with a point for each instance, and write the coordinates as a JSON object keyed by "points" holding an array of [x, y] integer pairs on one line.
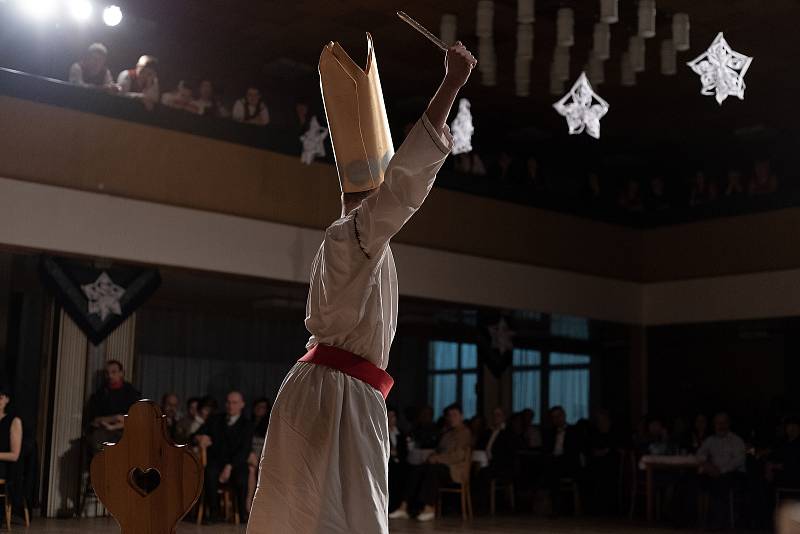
{"points": [[92, 71], [656, 439], [703, 190], [603, 462], [449, 464], [734, 187], [228, 441], [657, 200], [630, 199], [562, 448], [477, 428], [763, 181], [251, 109], [169, 409], [499, 447], [531, 432], [181, 98], [261, 412], [302, 117], [108, 407], [699, 432], [398, 450], [10, 435], [783, 465], [189, 423], [424, 432], [208, 103], [141, 82], [722, 467]]}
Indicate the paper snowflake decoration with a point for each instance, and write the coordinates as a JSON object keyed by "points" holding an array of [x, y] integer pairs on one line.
{"points": [[721, 70], [462, 128], [313, 141], [583, 108], [502, 336], [103, 296]]}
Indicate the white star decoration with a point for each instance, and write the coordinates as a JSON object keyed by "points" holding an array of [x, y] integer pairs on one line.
{"points": [[313, 141], [502, 336], [721, 70], [581, 113], [103, 296], [462, 128]]}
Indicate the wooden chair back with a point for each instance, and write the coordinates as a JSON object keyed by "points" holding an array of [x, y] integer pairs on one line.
{"points": [[145, 481]]}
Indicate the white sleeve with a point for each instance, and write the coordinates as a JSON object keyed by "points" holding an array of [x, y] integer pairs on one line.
{"points": [[108, 81], [407, 182], [76, 75], [152, 93], [124, 81], [238, 111]]}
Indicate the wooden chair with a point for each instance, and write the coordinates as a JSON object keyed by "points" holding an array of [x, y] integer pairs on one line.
{"points": [[7, 506], [498, 484], [145, 481], [461, 489], [230, 509]]}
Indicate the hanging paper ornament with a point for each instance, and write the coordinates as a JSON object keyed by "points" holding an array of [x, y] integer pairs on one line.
{"points": [[637, 52], [448, 29], [583, 108], [462, 128], [487, 62], [647, 18], [313, 141], [680, 31], [484, 26], [525, 40], [669, 60], [609, 11], [561, 63], [522, 76], [721, 70], [565, 27], [526, 11], [602, 40], [628, 77]]}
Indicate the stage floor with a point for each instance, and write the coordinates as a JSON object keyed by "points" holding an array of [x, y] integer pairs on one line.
{"points": [[499, 525]]}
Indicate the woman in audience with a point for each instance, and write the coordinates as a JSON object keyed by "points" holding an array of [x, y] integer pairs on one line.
{"points": [[603, 463], [180, 98], [699, 432], [251, 109], [261, 411], [208, 103], [10, 436]]}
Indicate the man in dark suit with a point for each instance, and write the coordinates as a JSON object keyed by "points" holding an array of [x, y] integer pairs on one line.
{"points": [[228, 440], [562, 450], [108, 406]]}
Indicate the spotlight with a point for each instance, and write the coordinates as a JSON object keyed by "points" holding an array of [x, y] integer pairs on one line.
{"points": [[38, 9], [80, 9], [112, 15]]}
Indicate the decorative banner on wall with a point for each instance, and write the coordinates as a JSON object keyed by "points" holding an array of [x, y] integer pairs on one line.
{"points": [[498, 348], [98, 300]]}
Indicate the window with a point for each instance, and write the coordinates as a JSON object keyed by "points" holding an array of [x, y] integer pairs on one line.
{"points": [[569, 326], [453, 376], [551, 379]]}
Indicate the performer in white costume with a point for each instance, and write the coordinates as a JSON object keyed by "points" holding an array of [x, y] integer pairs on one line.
{"points": [[325, 461]]}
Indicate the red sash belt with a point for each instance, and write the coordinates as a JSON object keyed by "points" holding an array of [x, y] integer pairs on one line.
{"points": [[351, 365]]}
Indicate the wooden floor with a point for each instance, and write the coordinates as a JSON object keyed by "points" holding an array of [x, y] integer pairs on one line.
{"points": [[500, 525]]}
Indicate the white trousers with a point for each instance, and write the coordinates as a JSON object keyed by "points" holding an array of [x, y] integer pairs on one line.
{"points": [[324, 467]]}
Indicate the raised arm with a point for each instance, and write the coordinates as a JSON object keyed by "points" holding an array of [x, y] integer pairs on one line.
{"points": [[15, 442], [412, 171]]}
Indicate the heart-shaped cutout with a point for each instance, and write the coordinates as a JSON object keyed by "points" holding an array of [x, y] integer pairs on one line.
{"points": [[144, 481]]}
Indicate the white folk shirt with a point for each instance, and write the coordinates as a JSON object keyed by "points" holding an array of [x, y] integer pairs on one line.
{"points": [[727, 452], [324, 468]]}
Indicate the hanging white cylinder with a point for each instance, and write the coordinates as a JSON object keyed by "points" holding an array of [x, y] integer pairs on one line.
{"points": [[596, 70], [669, 59], [647, 18], [522, 76], [526, 11], [525, 40], [556, 85], [602, 40], [628, 78], [609, 11], [484, 25], [565, 27], [561, 63], [487, 62], [680, 31], [637, 52], [447, 31]]}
